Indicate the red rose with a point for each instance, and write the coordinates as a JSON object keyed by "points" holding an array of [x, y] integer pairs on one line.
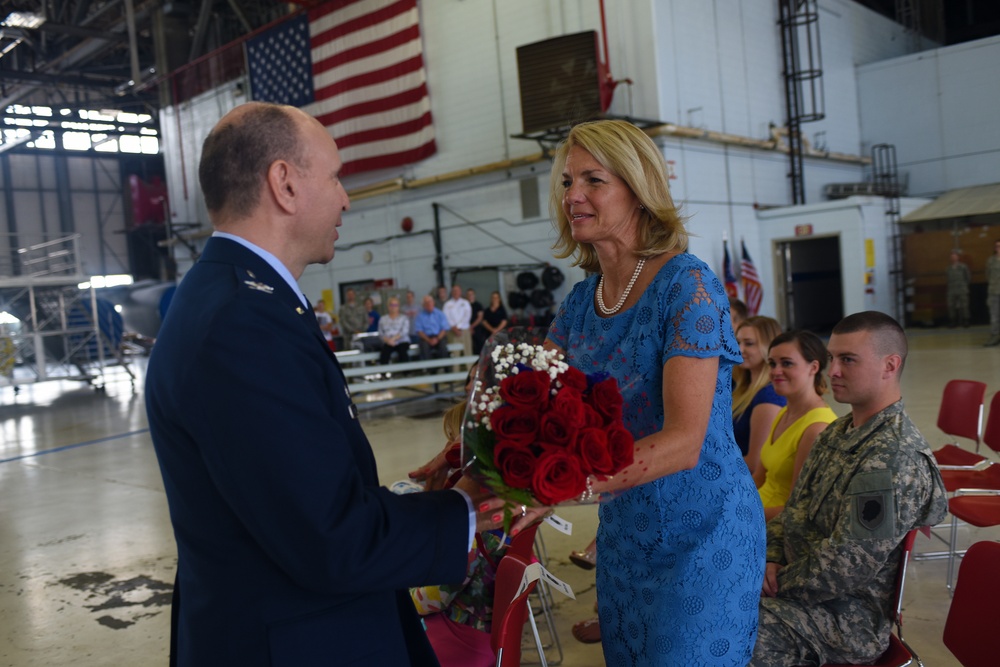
{"points": [[621, 445], [570, 403], [607, 400], [591, 417], [558, 428], [592, 448], [557, 477], [527, 389], [515, 464], [574, 379], [513, 424]]}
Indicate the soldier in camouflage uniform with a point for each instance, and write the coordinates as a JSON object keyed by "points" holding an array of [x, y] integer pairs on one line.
{"points": [[958, 291], [353, 318], [870, 478], [993, 294]]}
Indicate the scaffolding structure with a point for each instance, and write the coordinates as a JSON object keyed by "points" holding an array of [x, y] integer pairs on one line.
{"points": [[63, 332]]}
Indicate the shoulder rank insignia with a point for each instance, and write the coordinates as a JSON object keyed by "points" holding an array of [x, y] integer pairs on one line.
{"points": [[259, 286]]}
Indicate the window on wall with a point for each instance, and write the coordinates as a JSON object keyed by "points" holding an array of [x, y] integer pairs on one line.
{"points": [[100, 130]]}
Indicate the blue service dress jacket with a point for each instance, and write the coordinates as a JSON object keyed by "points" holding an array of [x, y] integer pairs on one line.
{"points": [[289, 551]]}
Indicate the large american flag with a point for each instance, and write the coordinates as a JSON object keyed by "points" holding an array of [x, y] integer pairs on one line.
{"points": [[753, 292], [358, 67]]}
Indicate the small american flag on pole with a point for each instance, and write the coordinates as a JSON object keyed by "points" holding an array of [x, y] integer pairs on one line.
{"points": [[753, 292], [729, 279], [357, 66]]}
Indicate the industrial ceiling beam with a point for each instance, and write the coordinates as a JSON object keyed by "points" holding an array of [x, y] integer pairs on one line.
{"points": [[71, 80], [82, 52], [78, 31]]}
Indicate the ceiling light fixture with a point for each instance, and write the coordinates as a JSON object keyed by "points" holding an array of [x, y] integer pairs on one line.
{"points": [[30, 20]]}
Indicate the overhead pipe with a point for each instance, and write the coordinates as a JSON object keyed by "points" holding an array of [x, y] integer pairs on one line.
{"points": [[133, 47]]}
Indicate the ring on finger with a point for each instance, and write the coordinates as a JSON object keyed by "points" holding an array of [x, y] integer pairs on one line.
{"points": [[524, 510]]}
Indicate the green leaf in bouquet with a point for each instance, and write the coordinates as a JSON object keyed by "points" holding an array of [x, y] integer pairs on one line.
{"points": [[479, 441]]}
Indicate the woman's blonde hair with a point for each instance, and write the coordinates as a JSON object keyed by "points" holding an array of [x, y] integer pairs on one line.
{"points": [[628, 153], [453, 417], [767, 329]]}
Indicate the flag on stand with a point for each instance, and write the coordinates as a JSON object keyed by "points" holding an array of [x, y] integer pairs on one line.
{"points": [[357, 66], [753, 292], [727, 272]]}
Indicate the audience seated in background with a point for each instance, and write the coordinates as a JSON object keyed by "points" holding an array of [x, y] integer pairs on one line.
{"points": [[440, 295], [431, 328], [394, 331], [458, 312], [797, 360], [325, 321], [477, 317], [833, 552], [353, 318], [494, 319], [755, 405], [372, 314], [411, 309]]}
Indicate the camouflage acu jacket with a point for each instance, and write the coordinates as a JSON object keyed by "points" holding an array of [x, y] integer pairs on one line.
{"points": [[860, 491], [993, 275]]}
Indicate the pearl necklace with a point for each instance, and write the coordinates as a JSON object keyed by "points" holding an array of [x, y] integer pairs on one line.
{"points": [[621, 302]]}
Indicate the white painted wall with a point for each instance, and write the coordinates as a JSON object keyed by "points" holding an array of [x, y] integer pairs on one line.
{"points": [[940, 109], [853, 220], [96, 198], [712, 64], [182, 132]]}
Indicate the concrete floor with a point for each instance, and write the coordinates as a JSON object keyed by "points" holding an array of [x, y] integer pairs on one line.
{"points": [[87, 556]]}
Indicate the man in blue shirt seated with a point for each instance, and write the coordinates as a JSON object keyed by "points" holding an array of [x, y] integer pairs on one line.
{"points": [[431, 327]]}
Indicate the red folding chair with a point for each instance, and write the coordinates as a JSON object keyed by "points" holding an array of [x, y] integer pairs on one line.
{"points": [[976, 500], [988, 478], [961, 415], [509, 611], [899, 653], [976, 509], [970, 631]]}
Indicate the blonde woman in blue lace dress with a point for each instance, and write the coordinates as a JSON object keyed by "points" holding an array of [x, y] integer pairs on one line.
{"points": [[680, 556]]}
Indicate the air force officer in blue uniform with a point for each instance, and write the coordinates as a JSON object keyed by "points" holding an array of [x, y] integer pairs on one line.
{"points": [[289, 551]]}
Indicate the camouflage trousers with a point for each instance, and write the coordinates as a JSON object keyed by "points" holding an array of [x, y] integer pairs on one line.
{"points": [[783, 642], [958, 309], [993, 303]]}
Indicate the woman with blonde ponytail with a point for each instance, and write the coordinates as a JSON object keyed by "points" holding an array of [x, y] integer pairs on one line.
{"points": [[755, 403]]}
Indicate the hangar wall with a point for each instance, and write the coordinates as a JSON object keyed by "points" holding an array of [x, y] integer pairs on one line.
{"points": [[940, 110], [712, 66]]}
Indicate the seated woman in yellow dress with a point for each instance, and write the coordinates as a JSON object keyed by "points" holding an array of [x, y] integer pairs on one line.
{"points": [[797, 360]]}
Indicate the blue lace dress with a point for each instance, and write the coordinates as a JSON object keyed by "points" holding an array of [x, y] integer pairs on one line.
{"points": [[680, 560]]}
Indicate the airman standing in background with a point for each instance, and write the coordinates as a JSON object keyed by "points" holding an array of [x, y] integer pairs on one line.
{"points": [[993, 294], [958, 291]]}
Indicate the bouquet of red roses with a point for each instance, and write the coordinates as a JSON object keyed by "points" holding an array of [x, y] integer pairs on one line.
{"points": [[536, 430]]}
